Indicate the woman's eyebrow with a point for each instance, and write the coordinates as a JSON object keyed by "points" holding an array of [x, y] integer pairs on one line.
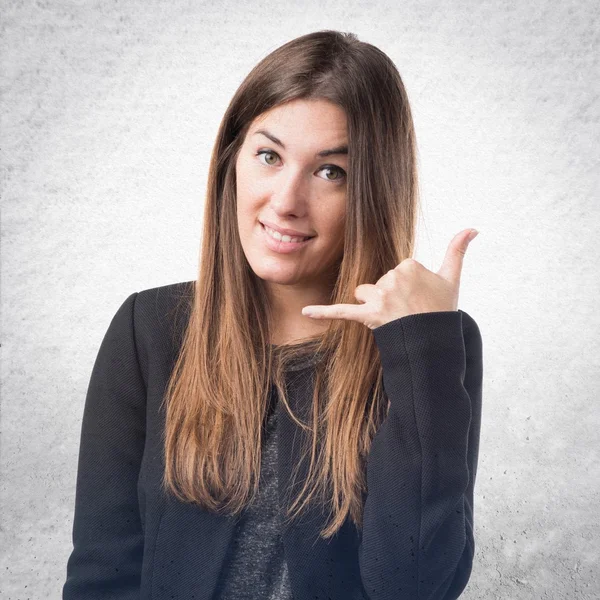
{"points": [[337, 150]]}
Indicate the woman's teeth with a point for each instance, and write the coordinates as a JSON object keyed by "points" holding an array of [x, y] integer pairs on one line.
{"points": [[284, 238]]}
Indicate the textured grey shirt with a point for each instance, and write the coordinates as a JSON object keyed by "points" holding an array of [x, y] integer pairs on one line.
{"points": [[255, 567]]}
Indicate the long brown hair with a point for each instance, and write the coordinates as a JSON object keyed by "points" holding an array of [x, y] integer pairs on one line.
{"points": [[218, 393]]}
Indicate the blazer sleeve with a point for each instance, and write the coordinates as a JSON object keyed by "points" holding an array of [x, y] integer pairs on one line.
{"points": [[108, 541], [417, 538]]}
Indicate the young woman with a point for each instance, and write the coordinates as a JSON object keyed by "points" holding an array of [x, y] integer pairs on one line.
{"points": [[234, 446]]}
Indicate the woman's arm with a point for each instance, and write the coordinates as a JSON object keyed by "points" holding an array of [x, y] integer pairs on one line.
{"points": [[417, 538], [108, 541]]}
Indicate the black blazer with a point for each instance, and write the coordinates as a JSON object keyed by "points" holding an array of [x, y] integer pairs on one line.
{"points": [[130, 542]]}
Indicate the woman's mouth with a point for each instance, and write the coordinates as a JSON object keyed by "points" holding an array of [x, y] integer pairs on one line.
{"points": [[283, 244]]}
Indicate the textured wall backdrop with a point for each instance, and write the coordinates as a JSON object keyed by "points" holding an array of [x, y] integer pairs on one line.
{"points": [[110, 110]]}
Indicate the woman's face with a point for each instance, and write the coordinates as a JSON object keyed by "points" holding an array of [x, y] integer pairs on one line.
{"points": [[288, 186]]}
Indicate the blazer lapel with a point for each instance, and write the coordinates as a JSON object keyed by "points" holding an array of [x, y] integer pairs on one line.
{"points": [[195, 538], [188, 535]]}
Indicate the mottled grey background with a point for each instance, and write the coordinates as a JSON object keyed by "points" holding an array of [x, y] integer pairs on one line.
{"points": [[109, 113]]}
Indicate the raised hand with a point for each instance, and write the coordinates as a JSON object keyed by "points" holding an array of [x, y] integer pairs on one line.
{"points": [[409, 288]]}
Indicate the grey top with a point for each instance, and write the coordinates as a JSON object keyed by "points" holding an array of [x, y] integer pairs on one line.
{"points": [[255, 565]]}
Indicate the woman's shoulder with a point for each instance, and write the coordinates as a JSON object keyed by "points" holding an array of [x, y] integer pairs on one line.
{"points": [[164, 296], [161, 313]]}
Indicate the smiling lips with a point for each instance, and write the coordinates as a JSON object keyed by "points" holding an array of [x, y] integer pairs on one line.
{"points": [[280, 245], [284, 238], [285, 230]]}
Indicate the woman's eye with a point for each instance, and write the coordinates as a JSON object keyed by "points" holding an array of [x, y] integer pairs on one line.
{"points": [[261, 152], [334, 168]]}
